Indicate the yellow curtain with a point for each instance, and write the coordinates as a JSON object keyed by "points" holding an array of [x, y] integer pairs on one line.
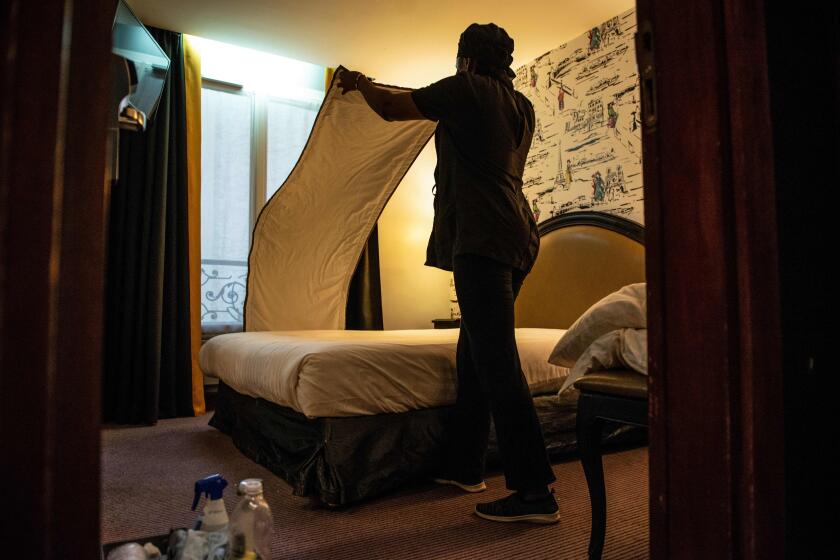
{"points": [[192, 71], [328, 76]]}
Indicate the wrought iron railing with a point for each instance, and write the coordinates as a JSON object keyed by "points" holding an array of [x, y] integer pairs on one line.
{"points": [[222, 291]]}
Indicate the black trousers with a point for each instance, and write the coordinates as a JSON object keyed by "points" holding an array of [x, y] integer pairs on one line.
{"points": [[490, 381]]}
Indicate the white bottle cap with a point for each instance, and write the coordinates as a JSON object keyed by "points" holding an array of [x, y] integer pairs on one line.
{"points": [[251, 486]]}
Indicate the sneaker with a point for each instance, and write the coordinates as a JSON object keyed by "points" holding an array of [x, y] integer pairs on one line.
{"points": [[466, 487], [514, 508]]}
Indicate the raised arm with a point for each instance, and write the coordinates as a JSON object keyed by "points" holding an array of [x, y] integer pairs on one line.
{"points": [[389, 105]]}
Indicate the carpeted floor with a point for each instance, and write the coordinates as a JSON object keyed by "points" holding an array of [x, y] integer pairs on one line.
{"points": [[148, 475]]}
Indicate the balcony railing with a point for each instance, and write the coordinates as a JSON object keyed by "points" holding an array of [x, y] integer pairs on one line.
{"points": [[222, 291]]}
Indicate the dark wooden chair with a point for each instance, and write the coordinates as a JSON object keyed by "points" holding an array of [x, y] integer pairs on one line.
{"points": [[616, 395]]}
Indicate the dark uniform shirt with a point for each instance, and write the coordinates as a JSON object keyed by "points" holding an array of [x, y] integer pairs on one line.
{"points": [[482, 140]]}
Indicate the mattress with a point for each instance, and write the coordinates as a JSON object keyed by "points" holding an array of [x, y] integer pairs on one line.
{"points": [[350, 167], [338, 373]]}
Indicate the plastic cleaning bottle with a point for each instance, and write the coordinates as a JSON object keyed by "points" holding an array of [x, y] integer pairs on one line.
{"points": [[215, 516], [250, 524]]}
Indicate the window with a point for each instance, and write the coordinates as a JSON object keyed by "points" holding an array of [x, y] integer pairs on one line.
{"points": [[226, 196], [253, 129], [289, 123]]}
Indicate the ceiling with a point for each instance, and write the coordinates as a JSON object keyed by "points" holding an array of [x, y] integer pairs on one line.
{"points": [[403, 42]]}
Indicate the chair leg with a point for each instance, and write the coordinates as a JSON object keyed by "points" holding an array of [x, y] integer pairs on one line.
{"points": [[589, 428]]}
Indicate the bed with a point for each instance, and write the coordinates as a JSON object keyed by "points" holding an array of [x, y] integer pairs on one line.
{"points": [[315, 409]]}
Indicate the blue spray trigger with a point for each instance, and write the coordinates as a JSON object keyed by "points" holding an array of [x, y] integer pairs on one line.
{"points": [[212, 486]]}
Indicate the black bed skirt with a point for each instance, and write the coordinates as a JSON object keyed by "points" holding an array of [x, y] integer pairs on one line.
{"points": [[344, 460]]}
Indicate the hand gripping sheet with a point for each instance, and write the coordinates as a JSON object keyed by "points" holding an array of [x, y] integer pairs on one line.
{"points": [[310, 235]]}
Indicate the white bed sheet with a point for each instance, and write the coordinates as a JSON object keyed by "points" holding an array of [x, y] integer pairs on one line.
{"points": [[336, 373]]}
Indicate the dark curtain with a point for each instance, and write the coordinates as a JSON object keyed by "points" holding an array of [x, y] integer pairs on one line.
{"points": [[147, 373], [364, 299]]}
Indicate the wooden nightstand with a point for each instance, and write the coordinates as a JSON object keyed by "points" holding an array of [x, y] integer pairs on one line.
{"points": [[446, 323]]}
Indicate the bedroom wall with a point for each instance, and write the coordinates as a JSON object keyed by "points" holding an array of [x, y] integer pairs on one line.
{"points": [[412, 294]]}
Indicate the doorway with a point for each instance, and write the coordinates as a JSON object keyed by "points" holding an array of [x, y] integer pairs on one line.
{"points": [[718, 401]]}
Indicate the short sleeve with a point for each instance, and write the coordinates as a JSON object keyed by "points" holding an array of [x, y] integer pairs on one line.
{"points": [[445, 99]]}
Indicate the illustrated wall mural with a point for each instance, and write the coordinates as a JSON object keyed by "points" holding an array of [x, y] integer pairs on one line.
{"points": [[587, 151]]}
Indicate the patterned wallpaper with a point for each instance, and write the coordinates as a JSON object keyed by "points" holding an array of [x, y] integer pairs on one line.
{"points": [[587, 149]]}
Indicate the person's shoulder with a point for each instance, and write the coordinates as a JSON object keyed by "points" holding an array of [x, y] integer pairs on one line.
{"points": [[455, 82], [465, 79], [444, 82], [466, 85], [478, 82]]}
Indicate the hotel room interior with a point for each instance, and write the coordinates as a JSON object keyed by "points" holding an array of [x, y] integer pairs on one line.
{"points": [[211, 261]]}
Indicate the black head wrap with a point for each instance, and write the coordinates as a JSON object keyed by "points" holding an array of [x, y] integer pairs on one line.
{"points": [[490, 46]]}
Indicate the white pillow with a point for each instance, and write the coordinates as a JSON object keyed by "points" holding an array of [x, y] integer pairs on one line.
{"points": [[622, 348], [626, 308]]}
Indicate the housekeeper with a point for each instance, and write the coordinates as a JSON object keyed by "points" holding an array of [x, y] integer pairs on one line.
{"points": [[485, 232]]}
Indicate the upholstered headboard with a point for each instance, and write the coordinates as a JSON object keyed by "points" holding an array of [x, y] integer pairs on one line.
{"points": [[583, 257]]}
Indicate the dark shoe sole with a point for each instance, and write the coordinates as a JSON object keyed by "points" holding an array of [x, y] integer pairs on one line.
{"points": [[473, 488], [541, 518]]}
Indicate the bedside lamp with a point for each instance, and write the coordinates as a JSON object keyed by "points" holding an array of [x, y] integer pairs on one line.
{"points": [[454, 309], [454, 320]]}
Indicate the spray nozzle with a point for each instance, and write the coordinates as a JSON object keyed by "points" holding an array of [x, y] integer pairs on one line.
{"points": [[212, 486]]}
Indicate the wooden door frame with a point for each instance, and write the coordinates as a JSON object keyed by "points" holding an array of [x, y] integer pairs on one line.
{"points": [[54, 100], [716, 406]]}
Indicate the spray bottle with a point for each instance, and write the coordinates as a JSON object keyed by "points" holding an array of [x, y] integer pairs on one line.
{"points": [[215, 515]]}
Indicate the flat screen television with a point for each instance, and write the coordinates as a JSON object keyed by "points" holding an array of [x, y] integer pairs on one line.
{"points": [[146, 67]]}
